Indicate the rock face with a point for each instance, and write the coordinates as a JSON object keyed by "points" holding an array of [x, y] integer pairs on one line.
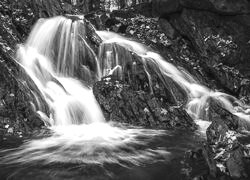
{"points": [[220, 41], [225, 155], [225, 7], [19, 97], [121, 103], [19, 100]]}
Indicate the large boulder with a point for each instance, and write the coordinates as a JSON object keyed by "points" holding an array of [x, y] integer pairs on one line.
{"points": [[225, 155], [121, 103]]}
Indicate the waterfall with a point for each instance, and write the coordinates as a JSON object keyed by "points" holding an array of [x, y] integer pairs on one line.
{"points": [[63, 40], [55, 53], [116, 50], [60, 59]]}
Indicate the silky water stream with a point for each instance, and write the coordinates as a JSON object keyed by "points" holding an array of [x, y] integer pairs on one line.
{"points": [[83, 145]]}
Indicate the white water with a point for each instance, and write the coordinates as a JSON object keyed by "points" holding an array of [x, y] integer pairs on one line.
{"points": [[63, 41], [96, 143], [54, 54], [70, 101], [198, 95]]}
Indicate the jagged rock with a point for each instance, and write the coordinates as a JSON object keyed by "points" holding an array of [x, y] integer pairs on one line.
{"points": [[244, 91], [121, 103], [19, 100], [223, 152], [19, 96], [216, 112], [222, 43]]}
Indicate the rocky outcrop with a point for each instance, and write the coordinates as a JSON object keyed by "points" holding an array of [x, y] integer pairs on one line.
{"points": [[221, 42], [121, 103], [225, 155], [20, 100]]}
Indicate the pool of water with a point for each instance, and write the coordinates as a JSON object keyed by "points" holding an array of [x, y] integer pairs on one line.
{"points": [[171, 165]]}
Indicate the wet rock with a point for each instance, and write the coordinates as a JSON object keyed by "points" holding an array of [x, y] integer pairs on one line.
{"points": [[217, 114], [221, 43], [244, 91], [121, 103], [223, 152], [20, 99]]}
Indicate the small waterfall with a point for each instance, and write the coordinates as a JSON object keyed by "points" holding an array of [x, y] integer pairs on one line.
{"points": [[64, 41], [116, 51], [63, 64], [55, 54]]}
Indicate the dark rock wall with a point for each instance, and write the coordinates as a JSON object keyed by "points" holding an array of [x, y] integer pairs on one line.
{"points": [[218, 30], [224, 7], [19, 96]]}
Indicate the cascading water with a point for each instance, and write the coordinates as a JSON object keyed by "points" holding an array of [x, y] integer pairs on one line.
{"points": [[62, 63], [64, 41], [54, 56], [116, 51], [70, 101]]}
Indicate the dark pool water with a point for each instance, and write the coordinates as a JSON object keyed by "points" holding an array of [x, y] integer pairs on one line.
{"points": [[173, 167]]}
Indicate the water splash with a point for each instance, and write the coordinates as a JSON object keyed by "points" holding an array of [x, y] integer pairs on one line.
{"points": [[53, 55], [96, 143]]}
